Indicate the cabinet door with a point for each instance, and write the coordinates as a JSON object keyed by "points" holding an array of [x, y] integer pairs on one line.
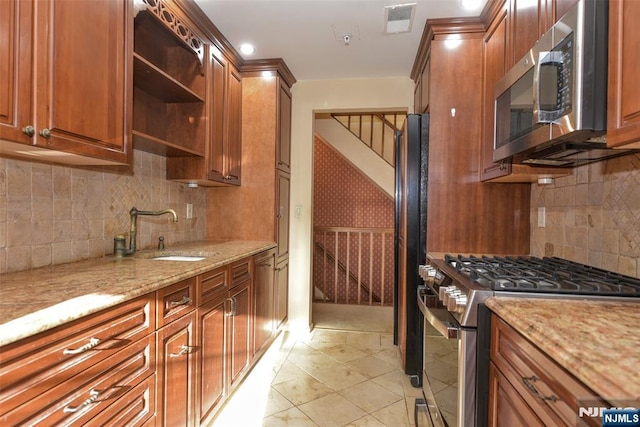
{"points": [[623, 119], [239, 334], [506, 406], [176, 372], [83, 91], [263, 285], [212, 387], [525, 28], [233, 150], [495, 54], [217, 101], [284, 128], [16, 43], [282, 216], [282, 293]]}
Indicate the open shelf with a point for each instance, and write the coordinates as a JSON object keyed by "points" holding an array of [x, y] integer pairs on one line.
{"points": [[159, 84], [151, 144]]}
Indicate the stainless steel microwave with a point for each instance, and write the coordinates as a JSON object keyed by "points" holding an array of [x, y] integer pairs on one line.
{"points": [[551, 107]]}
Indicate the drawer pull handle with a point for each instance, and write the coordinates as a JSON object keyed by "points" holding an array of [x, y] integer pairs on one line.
{"points": [[184, 349], [528, 382], [184, 301], [88, 346], [94, 396]]}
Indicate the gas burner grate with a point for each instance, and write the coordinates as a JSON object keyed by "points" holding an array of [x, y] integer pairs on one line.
{"points": [[545, 275]]}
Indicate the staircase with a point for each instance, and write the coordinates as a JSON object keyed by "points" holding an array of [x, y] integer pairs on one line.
{"points": [[376, 130]]}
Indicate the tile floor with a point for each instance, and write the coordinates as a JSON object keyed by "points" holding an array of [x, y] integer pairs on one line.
{"points": [[330, 377]]}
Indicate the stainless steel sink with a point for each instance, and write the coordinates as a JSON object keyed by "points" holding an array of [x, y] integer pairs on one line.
{"points": [[188, 258]]}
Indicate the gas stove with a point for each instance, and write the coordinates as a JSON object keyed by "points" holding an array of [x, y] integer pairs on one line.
{"points": [[463, 282]]}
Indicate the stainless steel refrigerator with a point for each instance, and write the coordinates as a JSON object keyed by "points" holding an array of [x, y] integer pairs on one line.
{"points": [[412, 161]]}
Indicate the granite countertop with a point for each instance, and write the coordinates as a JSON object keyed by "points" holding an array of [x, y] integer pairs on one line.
{"points": [[36, 300], [598, 342]]}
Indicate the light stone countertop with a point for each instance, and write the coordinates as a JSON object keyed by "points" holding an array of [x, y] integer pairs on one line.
{"points": [[598, 342], [36, 300]]}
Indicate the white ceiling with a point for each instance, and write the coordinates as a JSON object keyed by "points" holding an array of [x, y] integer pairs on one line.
{"points": [[303, 33]]}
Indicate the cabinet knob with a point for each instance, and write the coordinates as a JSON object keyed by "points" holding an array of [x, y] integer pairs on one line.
{"points": [[29, 130], [45, 133]]}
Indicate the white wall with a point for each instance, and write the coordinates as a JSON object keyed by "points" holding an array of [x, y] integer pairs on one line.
{"points": [[310, 97]]}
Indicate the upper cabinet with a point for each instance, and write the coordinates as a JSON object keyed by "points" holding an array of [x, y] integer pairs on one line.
{"points": [[68, 100], [623, 118], [169, 83]]}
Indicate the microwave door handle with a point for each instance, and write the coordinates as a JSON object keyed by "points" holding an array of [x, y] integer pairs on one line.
{"points": [[536, 87]]}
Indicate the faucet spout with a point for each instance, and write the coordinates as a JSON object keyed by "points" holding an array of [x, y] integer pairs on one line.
{"points": [[134, 225]]}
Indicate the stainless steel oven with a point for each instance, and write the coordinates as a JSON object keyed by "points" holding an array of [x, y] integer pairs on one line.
{"points": [[449, 364], [455, 348]]}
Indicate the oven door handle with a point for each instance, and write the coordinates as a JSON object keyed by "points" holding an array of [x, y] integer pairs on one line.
{"points": [[447, 329]]}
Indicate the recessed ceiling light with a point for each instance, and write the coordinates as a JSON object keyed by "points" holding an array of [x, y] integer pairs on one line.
{"points": [[247, 49]]}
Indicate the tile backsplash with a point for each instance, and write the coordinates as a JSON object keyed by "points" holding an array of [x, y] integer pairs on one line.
{"points": [[592, 216], [52, 214]]}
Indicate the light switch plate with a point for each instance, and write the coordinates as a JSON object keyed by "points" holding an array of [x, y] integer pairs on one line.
{"points": [[189, 211], [542, 217]]}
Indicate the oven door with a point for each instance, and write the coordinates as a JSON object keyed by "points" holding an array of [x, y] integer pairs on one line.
{"points": [[448, 373]]}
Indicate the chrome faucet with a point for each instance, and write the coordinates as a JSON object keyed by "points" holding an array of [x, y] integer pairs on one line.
{"points": [[120, 250]]}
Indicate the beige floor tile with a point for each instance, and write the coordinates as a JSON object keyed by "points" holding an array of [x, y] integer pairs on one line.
{"points": [[302, 390], [368, 421], [344, 352], [391, 356], [328, 335], [276, 403], [393, 415], [392, 381], [338, 377], [288, 371], [365, 340], [312, 361], [370, 396], [332, 410], [290, 417], [370, 366]]}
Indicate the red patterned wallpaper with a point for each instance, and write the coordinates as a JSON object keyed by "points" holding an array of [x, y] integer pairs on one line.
{"points": [[344, 197]]}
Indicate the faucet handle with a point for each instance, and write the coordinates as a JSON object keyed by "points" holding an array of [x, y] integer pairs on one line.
{"points": [[161, 243]]}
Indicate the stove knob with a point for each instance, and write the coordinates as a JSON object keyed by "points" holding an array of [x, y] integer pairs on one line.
{"points": [[457, 303], [450, 293]]}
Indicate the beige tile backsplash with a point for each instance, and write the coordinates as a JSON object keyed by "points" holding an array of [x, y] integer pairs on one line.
{"points": [[592, 216], [51, 214]]}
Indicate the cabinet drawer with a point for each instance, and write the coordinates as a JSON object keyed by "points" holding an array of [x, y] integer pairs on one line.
{"points": [[34, 365], [241, 271], [538, 378], [176, 300], [212, 284], [135, 408], [92, 390]]}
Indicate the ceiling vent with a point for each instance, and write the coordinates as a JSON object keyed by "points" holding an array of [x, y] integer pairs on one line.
{"points": [[399, 18]]}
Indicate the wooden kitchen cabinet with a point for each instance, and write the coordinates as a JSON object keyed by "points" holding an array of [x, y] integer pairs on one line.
{"points": [[281, 297], [623, 108], [282, 216], [239, 327], [212, 379], [169, 83], [95, 360], [222, 160], [284, 128], [488, 218], [63, 97], [525, 384], [263, 300], [176, 372]]}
